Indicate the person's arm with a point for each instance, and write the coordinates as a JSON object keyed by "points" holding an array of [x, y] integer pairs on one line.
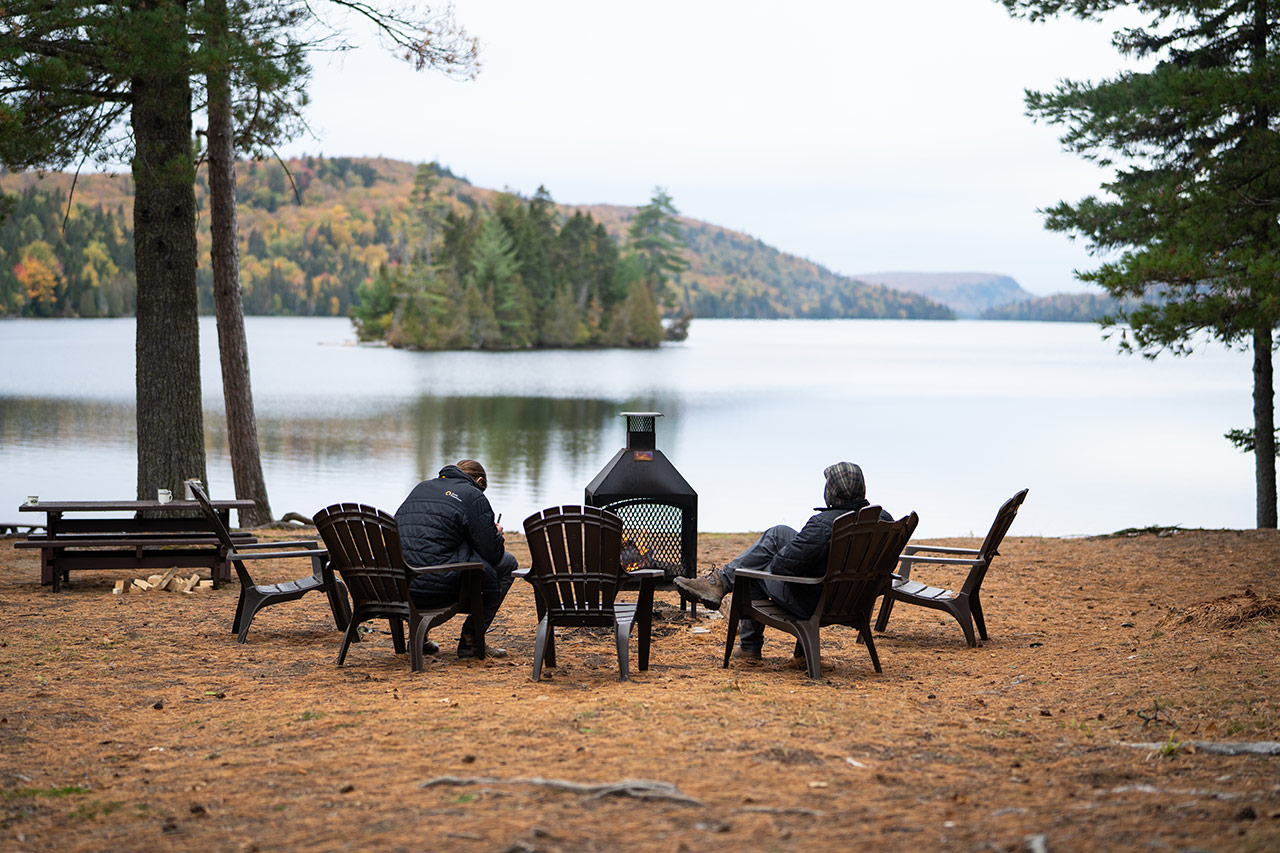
{"points": [[483, 531], [805, 555]]}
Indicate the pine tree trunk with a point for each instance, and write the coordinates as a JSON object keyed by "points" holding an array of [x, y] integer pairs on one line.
{"points": [[170, 419], [228, 301], [1264, 427]]}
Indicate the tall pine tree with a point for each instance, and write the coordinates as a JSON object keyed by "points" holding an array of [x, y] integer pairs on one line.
{"points": [[1191, 218]]}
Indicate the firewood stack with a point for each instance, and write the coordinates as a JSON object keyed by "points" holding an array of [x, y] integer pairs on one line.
{"points": [[170, 581]]}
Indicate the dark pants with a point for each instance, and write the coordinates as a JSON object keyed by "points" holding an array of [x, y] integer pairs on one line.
{"points": [[440, 590], [759, 556]]}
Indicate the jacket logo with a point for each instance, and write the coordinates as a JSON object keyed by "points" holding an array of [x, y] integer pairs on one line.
{"points": [[453, 495]]}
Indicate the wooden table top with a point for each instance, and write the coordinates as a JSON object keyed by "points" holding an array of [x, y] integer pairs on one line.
{"points": [[128, 506]]}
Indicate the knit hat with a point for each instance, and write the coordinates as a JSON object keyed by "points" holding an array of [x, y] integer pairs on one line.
{"points": [[845, 484]]}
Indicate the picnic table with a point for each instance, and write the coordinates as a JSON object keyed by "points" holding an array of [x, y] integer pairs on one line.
{"points": [[134, 535]]}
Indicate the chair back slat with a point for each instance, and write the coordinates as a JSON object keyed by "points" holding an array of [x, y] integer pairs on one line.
{"points": [[991, 545], [574, 551], [364, 547], [864, 553]]}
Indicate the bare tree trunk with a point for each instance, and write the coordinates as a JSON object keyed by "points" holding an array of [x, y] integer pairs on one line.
{"points": [[228, 301], [1264, 427], [170, 417]]}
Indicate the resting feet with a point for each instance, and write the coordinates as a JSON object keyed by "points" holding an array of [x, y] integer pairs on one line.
{"points": [[708, 590], [466, 650]]}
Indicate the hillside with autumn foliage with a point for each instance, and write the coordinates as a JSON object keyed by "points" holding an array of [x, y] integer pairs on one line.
{"points": [[317, 235]]}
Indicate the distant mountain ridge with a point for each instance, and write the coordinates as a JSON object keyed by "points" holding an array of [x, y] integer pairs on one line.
{"points": [[969, 294]]}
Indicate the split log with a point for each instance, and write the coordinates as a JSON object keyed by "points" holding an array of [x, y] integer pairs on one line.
{"points": [[640, 788]]}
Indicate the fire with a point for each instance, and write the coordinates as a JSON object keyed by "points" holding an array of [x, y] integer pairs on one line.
{"points": [[635, 556]]}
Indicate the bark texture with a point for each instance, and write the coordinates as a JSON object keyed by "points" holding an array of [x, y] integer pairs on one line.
{"points": [[237, 390], [170, 418], [1264, 427]]}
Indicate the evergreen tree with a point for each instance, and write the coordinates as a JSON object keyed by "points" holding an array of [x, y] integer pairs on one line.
{"points": [[495, 273], [657, 239], [1192, 211]]}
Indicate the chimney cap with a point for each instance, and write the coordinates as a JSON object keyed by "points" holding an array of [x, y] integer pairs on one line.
{"points": [[641, 414]]}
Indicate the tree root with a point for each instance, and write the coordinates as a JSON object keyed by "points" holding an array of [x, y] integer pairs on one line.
{"points": [[640, 788]]}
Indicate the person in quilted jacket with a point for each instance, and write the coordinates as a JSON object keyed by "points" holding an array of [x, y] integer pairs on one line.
{"points": [[783, 550], [448, 519]]}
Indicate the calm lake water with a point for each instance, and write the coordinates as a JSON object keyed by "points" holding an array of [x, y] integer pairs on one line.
{"points": [[946, 418]]}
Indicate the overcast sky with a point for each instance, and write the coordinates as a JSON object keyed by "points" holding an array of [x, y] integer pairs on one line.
{"points": [[865, 136]]}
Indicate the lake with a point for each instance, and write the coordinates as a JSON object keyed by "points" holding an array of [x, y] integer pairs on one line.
{"points": [[946, 418]]}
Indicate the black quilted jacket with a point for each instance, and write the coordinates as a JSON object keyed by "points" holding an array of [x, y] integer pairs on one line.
{"points": [[447, 520]]}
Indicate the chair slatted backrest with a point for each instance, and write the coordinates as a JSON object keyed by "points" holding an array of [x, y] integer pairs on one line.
{"points": [[864, 553], [576, 564], [995, 536], [364, 546], [220, 530]]}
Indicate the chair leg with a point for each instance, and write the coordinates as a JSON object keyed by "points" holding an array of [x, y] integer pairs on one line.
{"points": [[397, 633], [975, 607], [736, 604], [544, 638], [886, 607], [959, 608], [353, 628], [235, 623], [252, 601], [417, 637], [476, 602], [644, 620], [808, 641], [622, 633], [865, 632]]}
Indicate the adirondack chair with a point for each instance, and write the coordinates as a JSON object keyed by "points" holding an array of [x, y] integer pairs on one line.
{"points": [[576, 573], [860, 565], [364, 547], [255, 596], [965, 605]]}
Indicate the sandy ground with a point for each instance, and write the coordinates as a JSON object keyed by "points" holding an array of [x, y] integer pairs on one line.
{"points": [[137, 722]]}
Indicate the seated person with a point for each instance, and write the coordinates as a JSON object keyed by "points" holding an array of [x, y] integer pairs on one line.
{"points": [[449, 520], [784, 551]]}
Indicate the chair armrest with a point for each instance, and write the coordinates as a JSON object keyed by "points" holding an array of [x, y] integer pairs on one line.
{"points": [[276, 555], [301, 543], [447, 567], [938, 549], [761, 574], [646, 574], [908, 559], [521, 573]]}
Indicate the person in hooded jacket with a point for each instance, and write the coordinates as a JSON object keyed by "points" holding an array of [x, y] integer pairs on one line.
{"points": [[448, 519], [782, 550]]}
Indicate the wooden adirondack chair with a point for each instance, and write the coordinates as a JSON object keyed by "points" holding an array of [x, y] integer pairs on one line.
{"points": [[965, 605], [864, 551], [576, 573], [255, 596], [364, 547]]}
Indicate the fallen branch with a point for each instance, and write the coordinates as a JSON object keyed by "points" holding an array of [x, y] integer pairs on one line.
{"points": [[639, 788], [783, 810], [1259, 747]]}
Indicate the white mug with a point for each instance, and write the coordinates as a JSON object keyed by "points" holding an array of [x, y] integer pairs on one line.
{"points": [[32, 500], [164, 495]]}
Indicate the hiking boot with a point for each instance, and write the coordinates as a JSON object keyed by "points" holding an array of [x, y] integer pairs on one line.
{"points": [[466, 650], [430, 647], [748, 655], [708, 590]]}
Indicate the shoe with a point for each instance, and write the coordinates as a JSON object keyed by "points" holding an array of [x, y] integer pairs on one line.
{"points": [[430, 647], [465, 650], [748, 654], [708, 590]]}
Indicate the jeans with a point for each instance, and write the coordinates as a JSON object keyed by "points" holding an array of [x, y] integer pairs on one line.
{"points": [[759, 556], [442, 589]]}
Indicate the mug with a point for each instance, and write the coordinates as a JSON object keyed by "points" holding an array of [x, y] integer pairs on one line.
{"points": [[164, 495], [32, 500]]}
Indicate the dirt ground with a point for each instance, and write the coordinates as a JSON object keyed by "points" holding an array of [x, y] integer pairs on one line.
{"points": [[137, 722]]}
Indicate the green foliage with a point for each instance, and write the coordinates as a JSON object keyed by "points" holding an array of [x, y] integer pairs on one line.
{"points": [[1192, 214], [656, 238], [1060, 308], [1243, 440]]}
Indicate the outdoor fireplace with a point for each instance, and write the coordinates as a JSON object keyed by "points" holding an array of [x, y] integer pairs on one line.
{"points": [[658, 507]]}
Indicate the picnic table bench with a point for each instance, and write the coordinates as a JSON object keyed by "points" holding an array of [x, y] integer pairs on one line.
{"points": [[144, 540]]}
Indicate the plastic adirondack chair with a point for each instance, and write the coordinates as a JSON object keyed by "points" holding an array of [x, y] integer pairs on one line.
{"points": [[364, 548], [965, 605], [576, 573], [255, 596], [864, 551]]}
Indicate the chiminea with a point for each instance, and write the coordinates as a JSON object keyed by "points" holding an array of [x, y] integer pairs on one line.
{"points": [[658, 508]]}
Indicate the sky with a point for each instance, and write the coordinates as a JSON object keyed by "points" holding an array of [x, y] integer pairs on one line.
{"points": [[864, 136]]}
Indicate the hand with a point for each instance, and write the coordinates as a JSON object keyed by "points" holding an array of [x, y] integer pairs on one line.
{"points": [[499, 526]]}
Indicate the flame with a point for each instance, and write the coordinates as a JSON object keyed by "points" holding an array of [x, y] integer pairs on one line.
{"points": [[635, 555]]}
